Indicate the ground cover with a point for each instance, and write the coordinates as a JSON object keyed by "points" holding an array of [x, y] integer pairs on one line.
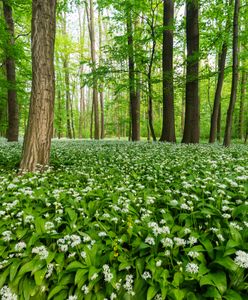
{"points": [[114, 220]]}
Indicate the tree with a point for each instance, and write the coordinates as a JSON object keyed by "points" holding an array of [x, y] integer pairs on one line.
{"points": [[134, 99], [91, 25], [37, 140], [235, 75], [13, 117], [221, 72], [168, 130], [191, 132]]}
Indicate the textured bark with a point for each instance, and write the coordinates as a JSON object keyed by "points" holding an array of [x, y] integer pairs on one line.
{"points": [[91, 25], [242, 101], [219, 124], [149, 76], [101, 86], [37, 141], [60, 115], [82, 123], [215, 117], [67, 85], [13, 117], [192, 113], [134, 101], [217, 97], [235, 75], [168, 129]]}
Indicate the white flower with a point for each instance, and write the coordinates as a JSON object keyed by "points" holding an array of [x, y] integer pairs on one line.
{"points": [[192, 240], [85, 289], [49, 272], [192, 268], [150, 240], [75, 240], [241, 259], [179, 241], [73, 297], [108, 276], [167, 242], [159, 263], [193, 254], [6, 294], [29, 219], [49, 226], [113, 296], [146, 275], [20, 246], [83, 254], [7, 235], [102, 234], [128, 285], [41, 251], [94, 276]]}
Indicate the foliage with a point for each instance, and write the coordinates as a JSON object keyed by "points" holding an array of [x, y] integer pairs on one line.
{"points": [[125, 221]]}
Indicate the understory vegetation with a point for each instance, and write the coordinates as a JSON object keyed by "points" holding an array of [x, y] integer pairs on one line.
{"points": [[114, 220]]}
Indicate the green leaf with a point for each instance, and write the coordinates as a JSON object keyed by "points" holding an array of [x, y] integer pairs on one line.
{"points": [[217, 279], [232, 295], [56, 290], [13, 269], [152, 291], [39, 276], [75, 265], [227, 263]]}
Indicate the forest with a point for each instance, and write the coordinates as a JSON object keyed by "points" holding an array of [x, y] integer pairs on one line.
{"points": [[123, 149]]}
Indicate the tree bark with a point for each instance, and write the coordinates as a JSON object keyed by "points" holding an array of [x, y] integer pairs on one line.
{"points": [[192, 113], [215, 117], [101, 86], [13, 115], [37, 141], [91, 25], [242, 101], [134, 101], [81, 127], [168, 129], [235, 75]]}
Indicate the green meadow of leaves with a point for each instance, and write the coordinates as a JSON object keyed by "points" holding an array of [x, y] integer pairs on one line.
{"points": [[114, 220]]}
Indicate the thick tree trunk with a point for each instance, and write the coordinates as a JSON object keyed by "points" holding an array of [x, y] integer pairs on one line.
{"points": [[37, 141], [219, 125], [134, 101], [242, 101], [13, 117], [235, 75], [192, 113], [168, 129]]}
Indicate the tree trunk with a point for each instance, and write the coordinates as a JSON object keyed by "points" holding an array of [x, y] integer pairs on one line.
{"points": [[149, 76], [168, 129], [13, 117], [242, 101], [219, 125], [235, 75], [221, 72], [101, 86], [192, 113], [37, 141], [60, 114], [134, 101], [91, 25], [82, 90]]}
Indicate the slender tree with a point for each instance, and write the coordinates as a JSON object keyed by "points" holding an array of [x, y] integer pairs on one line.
{"points": [[168, 129], [134, 99], [37, 141], [216, 113], [91, 25], [242, 103], [101, 86], [235, 75], [13, 116], [192, 113]]}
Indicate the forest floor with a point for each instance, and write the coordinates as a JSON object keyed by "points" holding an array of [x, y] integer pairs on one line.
{"points": [[115, 220]]}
